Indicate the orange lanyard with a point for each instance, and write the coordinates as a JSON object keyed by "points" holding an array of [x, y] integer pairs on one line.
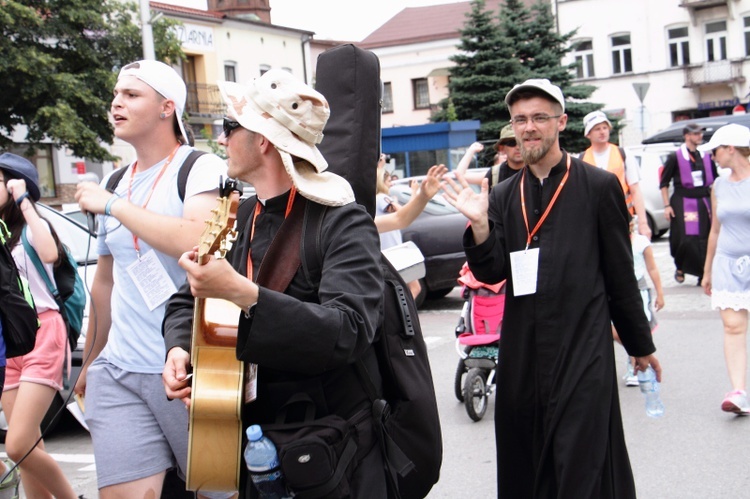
{"points": [[549, 206], [153, 186], [289, 204]]}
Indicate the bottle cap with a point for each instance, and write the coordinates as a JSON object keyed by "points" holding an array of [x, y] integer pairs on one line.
{"points": [[254, 432]]}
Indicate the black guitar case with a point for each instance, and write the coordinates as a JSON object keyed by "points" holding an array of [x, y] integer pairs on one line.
{"points": [[349, 78]]}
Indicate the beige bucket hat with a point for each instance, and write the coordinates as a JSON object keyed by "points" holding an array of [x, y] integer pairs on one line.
{"points": [[291, 115]]}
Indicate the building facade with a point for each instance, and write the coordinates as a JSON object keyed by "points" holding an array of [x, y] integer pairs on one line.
{"points": [[653, 61], [656, 62]]}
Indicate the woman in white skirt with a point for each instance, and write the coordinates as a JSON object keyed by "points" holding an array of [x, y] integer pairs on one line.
{"points": [[726, 275]]}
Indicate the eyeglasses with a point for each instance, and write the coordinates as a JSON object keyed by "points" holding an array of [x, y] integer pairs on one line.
{"points": [[538, 119], [230, 125], [509, 143]]}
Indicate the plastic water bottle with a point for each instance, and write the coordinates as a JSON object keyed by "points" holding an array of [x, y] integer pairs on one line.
{"points": [[263, 462], [650, 389]]}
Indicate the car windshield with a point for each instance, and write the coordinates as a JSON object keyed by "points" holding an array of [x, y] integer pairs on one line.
{"points": [[436, 206]]}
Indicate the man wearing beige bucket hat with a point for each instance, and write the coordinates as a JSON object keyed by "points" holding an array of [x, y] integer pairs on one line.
{"points": [[306, 340]]}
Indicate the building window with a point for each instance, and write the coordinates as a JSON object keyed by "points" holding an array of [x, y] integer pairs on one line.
{"points": [[387, 98], [622, 58], [264, 69], [421, 93], [584, 56], [679, 47], [230, 71], [747, 36], [716, 41]]}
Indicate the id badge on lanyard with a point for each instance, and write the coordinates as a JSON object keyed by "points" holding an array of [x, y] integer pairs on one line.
{"points": [[524, 264]]}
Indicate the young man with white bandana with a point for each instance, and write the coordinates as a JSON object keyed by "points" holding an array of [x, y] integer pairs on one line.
{"points": [[144, 227], [306, 340]]}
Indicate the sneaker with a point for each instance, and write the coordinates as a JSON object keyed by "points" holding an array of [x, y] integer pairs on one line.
{"points": [[9, 480], [630, 378], [736, 402]]}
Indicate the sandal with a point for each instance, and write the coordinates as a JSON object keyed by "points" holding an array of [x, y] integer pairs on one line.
{"points": [[9, 480], [679, 276]]}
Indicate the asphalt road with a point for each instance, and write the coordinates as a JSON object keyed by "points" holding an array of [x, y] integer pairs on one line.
{"points": [[694, 451]]}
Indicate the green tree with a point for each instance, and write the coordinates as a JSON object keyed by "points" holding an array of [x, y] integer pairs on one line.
{"points": [[541, 50], [485, 70], [59, 64]]}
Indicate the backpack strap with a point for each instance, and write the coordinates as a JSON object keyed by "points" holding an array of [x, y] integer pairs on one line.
{"points": [[622, 153], [312, 257], [495, 174], [182, 176], [187, 165], [31, 252], [115, 178]]}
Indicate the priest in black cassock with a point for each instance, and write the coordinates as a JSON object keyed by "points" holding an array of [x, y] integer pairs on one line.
{"points": [[558, 231]]}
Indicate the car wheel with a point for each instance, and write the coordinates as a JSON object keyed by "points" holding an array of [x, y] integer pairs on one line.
{"points": [[422, 296], [655, 233]]}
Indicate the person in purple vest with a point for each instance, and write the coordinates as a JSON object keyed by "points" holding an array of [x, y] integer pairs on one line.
{"points": [[689, 209]]}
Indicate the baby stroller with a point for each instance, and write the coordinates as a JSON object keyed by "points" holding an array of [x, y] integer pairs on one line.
{"points": [[477, 342]]}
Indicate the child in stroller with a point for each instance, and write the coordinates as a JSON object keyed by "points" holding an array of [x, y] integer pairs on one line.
{"points": [[477, 342]]}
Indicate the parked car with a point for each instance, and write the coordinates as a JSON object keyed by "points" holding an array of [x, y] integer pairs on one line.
{"points": [[673, 133], [75, 235], [437, 232], [650, 159]]}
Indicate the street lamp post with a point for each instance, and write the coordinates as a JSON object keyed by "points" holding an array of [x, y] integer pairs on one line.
{"points": [[146, 31]]}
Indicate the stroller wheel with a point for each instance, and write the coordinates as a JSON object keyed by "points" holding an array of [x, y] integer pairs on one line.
{"points": [[458, 383], [475, 393]]}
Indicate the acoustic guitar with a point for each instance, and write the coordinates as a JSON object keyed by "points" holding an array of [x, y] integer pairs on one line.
{"points": [[215, 426]]}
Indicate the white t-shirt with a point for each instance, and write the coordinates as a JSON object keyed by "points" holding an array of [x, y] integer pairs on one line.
{"points": [[135, 341], [632, 175], [639, 243], [43, 299]]}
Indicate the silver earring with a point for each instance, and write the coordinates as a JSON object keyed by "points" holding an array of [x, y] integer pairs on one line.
{"points": [[162, 116]]}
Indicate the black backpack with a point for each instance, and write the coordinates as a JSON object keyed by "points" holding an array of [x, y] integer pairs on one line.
{"points": [[182, 176], [17, 311], [406, 414]]}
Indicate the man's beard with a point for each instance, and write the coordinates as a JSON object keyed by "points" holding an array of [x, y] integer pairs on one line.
{"points": [[533, 156]]}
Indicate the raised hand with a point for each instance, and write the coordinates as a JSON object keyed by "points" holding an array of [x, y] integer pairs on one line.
{"points": [[431, 184], [472, 204]]}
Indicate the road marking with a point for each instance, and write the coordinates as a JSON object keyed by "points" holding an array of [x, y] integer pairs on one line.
{"points": [[68, 458]]}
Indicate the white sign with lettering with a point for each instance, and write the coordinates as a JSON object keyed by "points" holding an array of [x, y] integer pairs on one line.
{"points": [[195, 37]]}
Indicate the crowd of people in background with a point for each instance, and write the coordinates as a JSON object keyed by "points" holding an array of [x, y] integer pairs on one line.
{"points": [[549, 414]]}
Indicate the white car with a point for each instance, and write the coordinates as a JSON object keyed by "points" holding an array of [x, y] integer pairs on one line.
{"points": [[650, 159]]}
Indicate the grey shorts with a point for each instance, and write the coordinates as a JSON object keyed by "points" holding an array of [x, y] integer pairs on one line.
{"points": [[135, 430]]}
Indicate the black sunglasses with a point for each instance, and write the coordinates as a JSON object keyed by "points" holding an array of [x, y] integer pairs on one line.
{"points": [[230, 125], [509, 143]]}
